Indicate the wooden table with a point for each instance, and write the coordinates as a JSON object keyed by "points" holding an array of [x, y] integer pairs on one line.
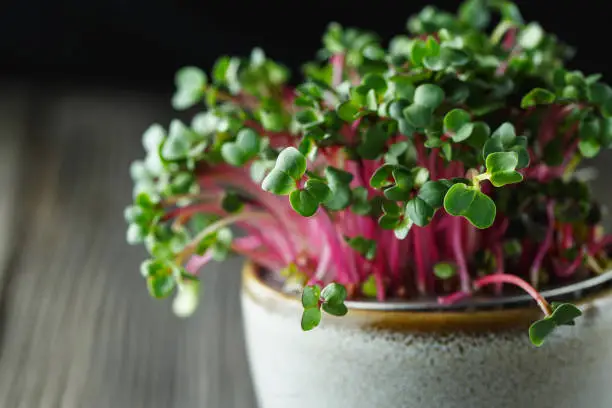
{"points": [[77, 327]]}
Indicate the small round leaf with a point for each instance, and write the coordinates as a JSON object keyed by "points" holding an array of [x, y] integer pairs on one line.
{"points": [[311, 318]]}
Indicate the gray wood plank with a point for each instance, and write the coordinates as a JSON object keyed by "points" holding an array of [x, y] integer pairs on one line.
{"points": [[79, 328]]}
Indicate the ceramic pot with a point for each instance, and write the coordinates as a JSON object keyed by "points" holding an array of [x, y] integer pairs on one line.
{"points": [[388, 356]]}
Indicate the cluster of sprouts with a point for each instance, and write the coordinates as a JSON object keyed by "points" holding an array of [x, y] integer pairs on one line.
{"points": [[442, 165]]}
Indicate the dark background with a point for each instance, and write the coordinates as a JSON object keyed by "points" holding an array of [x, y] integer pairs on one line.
{"points": [[139, 44]]}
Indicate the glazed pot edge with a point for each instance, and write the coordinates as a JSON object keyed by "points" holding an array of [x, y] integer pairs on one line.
{"points": [[471, 320]]}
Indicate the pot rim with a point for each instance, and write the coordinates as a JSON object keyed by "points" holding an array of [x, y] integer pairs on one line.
{"points": [[487, 314]]}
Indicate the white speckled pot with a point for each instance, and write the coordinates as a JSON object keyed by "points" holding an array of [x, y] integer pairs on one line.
{"points": [[391, 359]]}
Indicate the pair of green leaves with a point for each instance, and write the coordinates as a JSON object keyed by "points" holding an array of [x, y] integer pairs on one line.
{"points": [[471, 203], [504, 139], [218, 243], [365, 247], [160, 276], [330, 300], [364, 98], [427, 97], [190, 86], [333, 190], [245, 148], [563, 315], [434, 56]]}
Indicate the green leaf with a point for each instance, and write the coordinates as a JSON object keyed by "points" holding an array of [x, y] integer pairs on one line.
{"points": [[278, 182], [272, 120], [531, 36], [589, 128], [540, 329], [178, 143], [153, 137], [418, 52], [339, 184], [389, 221], [395, 193], [347, 111], [190, 83], [303, 203], [502, 178], [501, 168], [537, 96], [375, 82], [565, 313], [418, 116], [455, 120], [369, 287], [135, 234], [469, 202], [459, 198], [308, 118], [231, 202], [403, 228], [476, 13], [361, 205], [479, 134], [161, 286], [403, 178], [520, 148], [220, 69], [505, 133], [334, 293], [444, 270], [366, 247], [317, 189], [222, 245], [481, 212], [373, 142], [391, 207], [371, 100], [589, 147], [381, 177], [335, 310], [434, 62], [311, 318], [311, 296], [419, 211], [463, 133], [433, 192], [244, 149], [428, 95], [292, 162], [420, 176]]}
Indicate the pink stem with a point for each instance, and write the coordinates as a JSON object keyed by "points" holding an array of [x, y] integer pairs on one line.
{"points": [[516, 281], [337, 61], [569, 271], [394, 258], [537, 262], [418, 258], [196, 262], [457, 248], [601, 244], [494, 280]]}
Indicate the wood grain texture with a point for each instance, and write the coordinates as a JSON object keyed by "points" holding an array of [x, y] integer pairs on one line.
{"points": [[77, 326]]}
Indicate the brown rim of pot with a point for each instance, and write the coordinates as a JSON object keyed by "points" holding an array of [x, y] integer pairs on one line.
{"points": [[481, 315]]}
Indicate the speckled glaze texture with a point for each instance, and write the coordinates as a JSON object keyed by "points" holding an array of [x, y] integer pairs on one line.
{"points": [[353, 362]]}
